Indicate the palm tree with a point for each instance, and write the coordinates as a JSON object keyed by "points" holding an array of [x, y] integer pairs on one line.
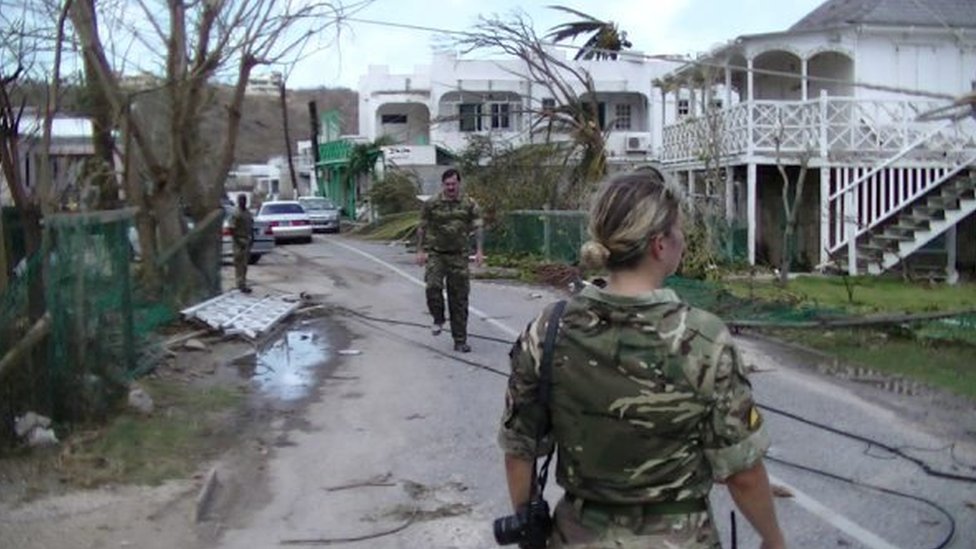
{"points": [[606, 39]]}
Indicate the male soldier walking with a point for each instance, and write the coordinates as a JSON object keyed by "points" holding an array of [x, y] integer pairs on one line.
{"points": [[242, 231], [446, 223]]}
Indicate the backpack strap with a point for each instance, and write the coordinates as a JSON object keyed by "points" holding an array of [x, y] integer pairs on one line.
{"points": [[545, 394]]}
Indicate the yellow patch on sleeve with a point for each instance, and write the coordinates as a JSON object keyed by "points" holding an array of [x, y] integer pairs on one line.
{"points": [[755, 420]]}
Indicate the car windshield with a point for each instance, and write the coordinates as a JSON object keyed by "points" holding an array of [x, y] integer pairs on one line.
{"points": [[270, 209], [317, 204]]}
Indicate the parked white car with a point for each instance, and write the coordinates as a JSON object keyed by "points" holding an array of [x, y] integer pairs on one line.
{"points": [[287, 219], [322, 211]]}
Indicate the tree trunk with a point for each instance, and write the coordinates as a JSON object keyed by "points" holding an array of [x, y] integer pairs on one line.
{"points": [[103, 176]]}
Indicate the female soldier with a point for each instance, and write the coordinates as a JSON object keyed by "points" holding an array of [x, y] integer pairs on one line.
{"points": [[649, 404]]}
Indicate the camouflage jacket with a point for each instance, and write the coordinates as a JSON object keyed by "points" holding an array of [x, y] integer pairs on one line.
{"points": [[241, 227], [447, 224], [649, 399]]}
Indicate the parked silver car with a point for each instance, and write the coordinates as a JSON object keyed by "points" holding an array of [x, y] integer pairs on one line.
{"points": [[323, 213], [287, 220]]}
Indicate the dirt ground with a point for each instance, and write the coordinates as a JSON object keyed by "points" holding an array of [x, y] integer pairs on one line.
{"points": [[46, 501]]}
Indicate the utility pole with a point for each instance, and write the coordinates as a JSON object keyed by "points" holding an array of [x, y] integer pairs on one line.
{"points": [[284, 118]]}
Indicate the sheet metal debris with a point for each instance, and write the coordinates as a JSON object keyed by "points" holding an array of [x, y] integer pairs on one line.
{"points": [[249, 315]]}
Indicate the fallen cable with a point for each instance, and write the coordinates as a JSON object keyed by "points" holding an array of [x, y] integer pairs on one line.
{"points": [[951, 520], [896, 451], [352, 539]]}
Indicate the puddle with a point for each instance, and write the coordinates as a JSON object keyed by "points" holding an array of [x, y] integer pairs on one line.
{"points": [[286, 367]]}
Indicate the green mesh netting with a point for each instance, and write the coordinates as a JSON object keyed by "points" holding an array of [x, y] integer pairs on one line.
{"points": [[713, 297], [551, 235], [102, 324]]}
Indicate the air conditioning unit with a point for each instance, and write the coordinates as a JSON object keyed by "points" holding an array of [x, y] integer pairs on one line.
{"points": [[636, 143]]}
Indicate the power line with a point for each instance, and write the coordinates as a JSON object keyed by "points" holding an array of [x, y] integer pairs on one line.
{"points": [[677, 59]]}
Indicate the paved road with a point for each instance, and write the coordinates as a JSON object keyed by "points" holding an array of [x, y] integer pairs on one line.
{"points": [[403, 434]]}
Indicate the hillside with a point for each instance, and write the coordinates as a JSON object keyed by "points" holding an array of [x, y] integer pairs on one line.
{"points": [[261, 133], [262, 129]]}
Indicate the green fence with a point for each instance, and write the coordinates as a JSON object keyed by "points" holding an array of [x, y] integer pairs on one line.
{"points": [[549, 234], [101, 324], [556, 235]]}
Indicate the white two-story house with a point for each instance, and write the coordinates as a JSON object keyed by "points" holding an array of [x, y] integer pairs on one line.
{"points": [[845, 90], [438, 106]]}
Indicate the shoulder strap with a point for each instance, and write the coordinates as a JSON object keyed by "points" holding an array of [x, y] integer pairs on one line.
{"points": [[545, 393]]}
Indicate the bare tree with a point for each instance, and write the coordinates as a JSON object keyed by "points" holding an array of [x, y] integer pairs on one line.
{"points": [[571, 86], [791, 205], [198, 45]]}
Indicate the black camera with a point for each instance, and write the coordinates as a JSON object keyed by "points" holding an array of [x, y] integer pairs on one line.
{"points": [[529, 526]]}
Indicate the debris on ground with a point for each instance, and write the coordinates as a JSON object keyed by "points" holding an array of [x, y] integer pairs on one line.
{"points": [[237, 313], [195, 345], [35, 429], [140, 401], [350, 352], [559, 275]]}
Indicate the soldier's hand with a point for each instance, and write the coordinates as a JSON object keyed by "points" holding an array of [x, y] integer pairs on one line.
{"points": [[421, 258]]}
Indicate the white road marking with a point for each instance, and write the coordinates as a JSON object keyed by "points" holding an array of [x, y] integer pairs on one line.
{"points": [[814, 507], [478, 312], [852, 529]]}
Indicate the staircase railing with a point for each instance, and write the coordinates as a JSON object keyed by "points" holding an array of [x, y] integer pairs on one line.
{"points": [[846, 201]]}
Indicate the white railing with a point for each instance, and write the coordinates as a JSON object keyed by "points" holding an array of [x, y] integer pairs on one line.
{"points": [[860, 198], [823, 126]]}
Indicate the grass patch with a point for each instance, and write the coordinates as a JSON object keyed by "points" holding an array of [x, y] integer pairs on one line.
{"points": [[149, 450], [860, 295], [946, 366], [392, 227]]}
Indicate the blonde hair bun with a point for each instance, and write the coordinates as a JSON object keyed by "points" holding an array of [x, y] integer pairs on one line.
{"points": [[594, 255]]}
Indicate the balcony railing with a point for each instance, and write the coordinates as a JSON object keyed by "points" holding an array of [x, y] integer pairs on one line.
{"points": [[824, 126]]}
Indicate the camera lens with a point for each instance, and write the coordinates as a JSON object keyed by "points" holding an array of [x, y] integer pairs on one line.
{"points": [[508, 530]]}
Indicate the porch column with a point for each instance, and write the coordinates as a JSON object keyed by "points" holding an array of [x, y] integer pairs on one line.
{"points": [[824, 213], [952, 276], [728, 85], [729, 195], [749, 117], [664, 110], [803, 78], [751, 210]]}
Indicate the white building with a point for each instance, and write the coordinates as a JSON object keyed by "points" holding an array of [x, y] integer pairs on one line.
{"points": [[835, 88], [71, 146], [439, 105], [884, 186]]}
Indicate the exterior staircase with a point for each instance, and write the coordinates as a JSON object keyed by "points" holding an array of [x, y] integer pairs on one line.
{"points": [[912, 229]]}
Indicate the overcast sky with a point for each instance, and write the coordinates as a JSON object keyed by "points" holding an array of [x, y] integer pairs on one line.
{"points": [[654, 26]]}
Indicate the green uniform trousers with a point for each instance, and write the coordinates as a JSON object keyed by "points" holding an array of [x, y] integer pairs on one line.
{"points": [[242, 254], [580, 526], [452, 268]]}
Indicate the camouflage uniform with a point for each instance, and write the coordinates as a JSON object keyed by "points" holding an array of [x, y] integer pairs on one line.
{"points": [[242, 231], [447, 226], [649, 404]]}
